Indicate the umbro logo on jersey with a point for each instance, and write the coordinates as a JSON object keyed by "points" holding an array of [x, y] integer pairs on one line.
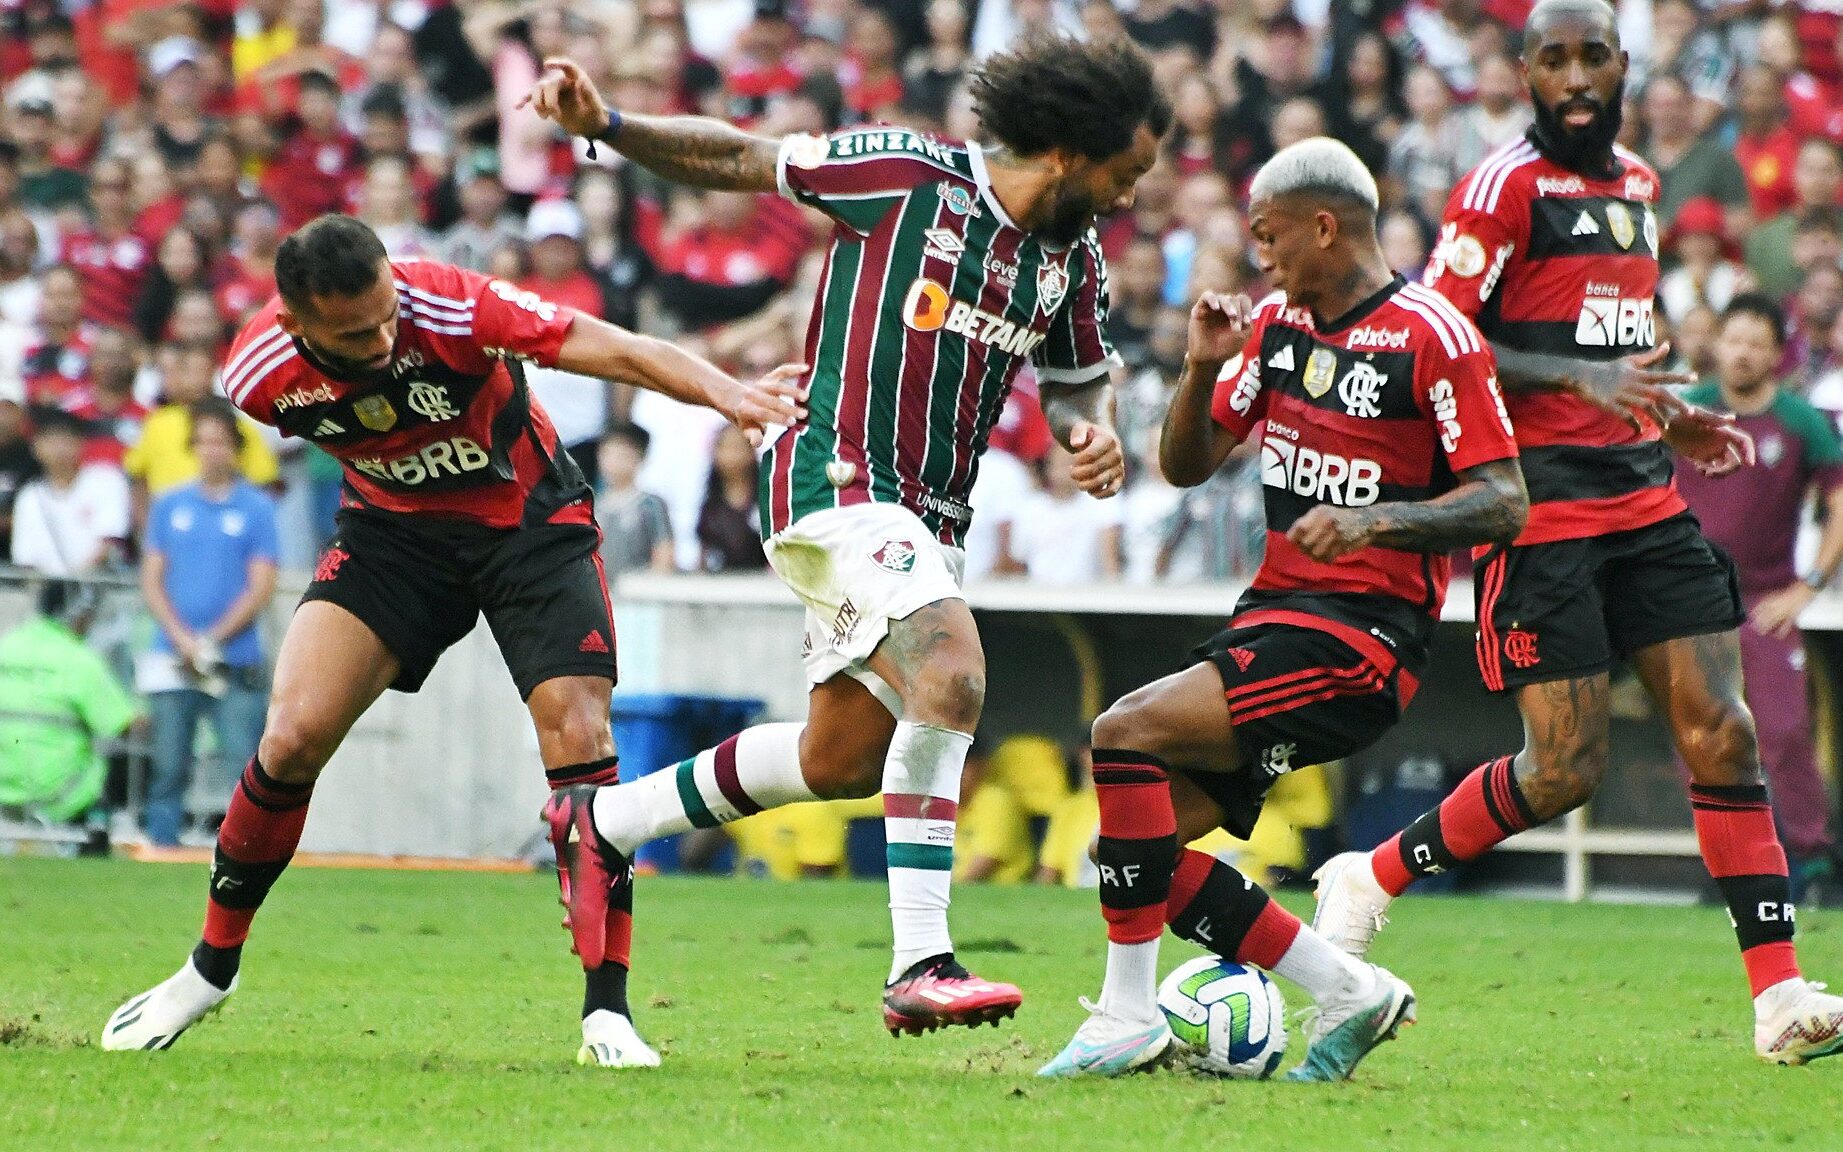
{"points": [[1283, 359], [1585, 226], [944, 244], [329, 427]]}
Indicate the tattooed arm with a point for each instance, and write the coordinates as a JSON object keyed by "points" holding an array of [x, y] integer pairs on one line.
{"points": [[1490, 505], [1623, 387], [693, 150], [1081, 417]]}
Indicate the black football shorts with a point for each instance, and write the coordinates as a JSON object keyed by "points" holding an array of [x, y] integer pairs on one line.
{"points": [[1564, 610], [421, 585]]}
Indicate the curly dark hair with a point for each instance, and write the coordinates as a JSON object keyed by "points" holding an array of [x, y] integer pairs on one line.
{"points": [[1054, 91], [330, 255]]}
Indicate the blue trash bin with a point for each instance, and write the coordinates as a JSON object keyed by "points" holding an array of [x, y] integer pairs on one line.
{"points": [[658, 730]]}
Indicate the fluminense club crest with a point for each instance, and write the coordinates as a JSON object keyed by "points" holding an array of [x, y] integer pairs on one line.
{"points": [[897, 556], [1052, 284]]}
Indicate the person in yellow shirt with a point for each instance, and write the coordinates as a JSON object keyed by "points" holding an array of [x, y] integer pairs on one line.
{"points": [[163, 458], [1025, 780]]}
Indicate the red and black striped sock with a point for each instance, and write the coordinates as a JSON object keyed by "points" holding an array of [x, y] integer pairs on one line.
{"points": [[1485, 810], [1216, 907], [1138, 844], [605, 981], [255, 842], [1734, 826]]}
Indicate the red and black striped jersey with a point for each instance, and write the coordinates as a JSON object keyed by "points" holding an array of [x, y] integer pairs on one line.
{"points": [[1549, 260], [454, 432], [1390, 405]]}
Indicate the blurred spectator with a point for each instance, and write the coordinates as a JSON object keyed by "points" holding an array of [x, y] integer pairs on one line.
{"points": [[737, 251], [1755, 514], [179, 266], [75, 518], [1061, 534], [1195, 144], [57, 362], [218, 175], [163, 459], [636, 530], [1160, 24], [58, 700], [1817, 183], [1814, 309], [19, 288], [18, 466], [390, 67], [1299, 118], [1826, 393], [554, 228], [1406, 242], [1438, 34], [935, 68], [248, 279], [1692, 343], [1500, 114], [110, 416], [207, 575], [1682, 46], [1006, 479], [43, 185], [485, 224], [1136, 283], [1766, 146], [196, 320], [871, 72], [516, 43], [1705, 272], [1364, 102], [180, 124], [155, 200], [387, 202], [1424, 160], [111, 259], [729, 533], [1688, 163], [610, 242], [317, 160], [1198, 199]]}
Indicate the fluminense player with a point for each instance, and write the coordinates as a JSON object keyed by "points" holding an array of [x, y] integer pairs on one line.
{"points": [[951, 266], [458, 501], [1385, 447], [1551, 244]]}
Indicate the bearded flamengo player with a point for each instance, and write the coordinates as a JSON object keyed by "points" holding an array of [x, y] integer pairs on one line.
{"points": [[950, 266], [1385, 446], [458, 501], [1551, 244]]}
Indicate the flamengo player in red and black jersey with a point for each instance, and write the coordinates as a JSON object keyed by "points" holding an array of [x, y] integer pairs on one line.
{"points": [[1552, 245], [1385, 447], [458, 501], [951, 265]]}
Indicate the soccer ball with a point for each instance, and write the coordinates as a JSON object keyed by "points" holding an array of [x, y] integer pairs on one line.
{"points": [[1230, 1016]]}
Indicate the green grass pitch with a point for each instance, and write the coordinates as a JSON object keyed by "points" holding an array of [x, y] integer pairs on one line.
{"points": [[401, 1011]]}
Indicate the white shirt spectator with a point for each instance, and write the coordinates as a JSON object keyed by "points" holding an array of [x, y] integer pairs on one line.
{"points": [[1004, 484], [62, 533], [1061, 540], [678, 465], [577, 405]]}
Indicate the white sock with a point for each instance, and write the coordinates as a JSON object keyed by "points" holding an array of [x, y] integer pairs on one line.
{"points": [[922, 769], [1321, 967], [766, 763], [1130, 991]]}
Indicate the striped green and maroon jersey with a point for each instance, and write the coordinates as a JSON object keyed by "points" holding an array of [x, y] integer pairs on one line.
{"points": [[931, 300]]}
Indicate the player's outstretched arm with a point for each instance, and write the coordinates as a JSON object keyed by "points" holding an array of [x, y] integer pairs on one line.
{"points": [[1489, 506], [597, 348], [1192, 445], [694, 150], [1629, 387], [1081, 416]]}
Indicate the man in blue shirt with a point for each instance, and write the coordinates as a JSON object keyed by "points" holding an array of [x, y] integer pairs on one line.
{"points": [[208, 573]]}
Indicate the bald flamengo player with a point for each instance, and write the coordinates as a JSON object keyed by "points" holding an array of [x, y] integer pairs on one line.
{"points": [[458, 501], [1551, 244], [1385, 447], [951, 266]]}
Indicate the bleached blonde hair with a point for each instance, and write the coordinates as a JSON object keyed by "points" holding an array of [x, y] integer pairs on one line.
{"points": [[1321, 165]]}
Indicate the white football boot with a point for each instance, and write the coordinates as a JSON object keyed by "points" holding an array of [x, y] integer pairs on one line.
{"points": [[1350, 1025], [154, 1019], [1796, 1021], [1113, 1046], [1350, 902], [609, 1041]]}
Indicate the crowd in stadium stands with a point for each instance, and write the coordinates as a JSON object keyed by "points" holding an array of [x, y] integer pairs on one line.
{"points": [[154, 152]]}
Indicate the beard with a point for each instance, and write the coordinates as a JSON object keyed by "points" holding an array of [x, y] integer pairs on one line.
{"points": [[1581, 149], [354, 372], [1071, 214]]}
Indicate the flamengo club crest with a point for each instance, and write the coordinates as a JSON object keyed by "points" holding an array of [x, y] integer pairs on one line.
{"points": [[1052, 282], [430, 401], [375, 413], [897, 556]]}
